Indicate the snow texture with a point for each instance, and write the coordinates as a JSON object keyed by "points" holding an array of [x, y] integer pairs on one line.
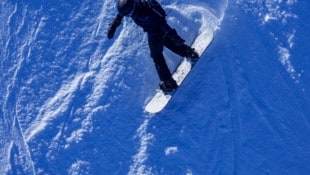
{"points": [[72, 101]]}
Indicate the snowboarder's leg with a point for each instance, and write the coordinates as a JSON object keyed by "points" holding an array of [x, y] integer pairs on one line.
{"points": [[156, 50], [156, 46], [182, 50]]}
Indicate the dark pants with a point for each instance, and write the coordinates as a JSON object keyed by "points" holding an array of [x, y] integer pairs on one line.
{"points": [[156, 44]]}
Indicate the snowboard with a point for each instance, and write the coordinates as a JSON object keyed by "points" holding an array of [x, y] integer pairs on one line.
{"points": [[158, 102]]}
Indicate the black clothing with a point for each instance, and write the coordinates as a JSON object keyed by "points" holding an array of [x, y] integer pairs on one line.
{"points": [[156, 44], [151, 17], [126, 7], [168, 86]]}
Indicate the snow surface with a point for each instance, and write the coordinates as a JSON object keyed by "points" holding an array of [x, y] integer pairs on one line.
{"points": [[72, 101]]}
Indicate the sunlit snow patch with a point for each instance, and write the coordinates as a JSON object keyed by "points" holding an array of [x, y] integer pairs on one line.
{"points": [[171, 150]]}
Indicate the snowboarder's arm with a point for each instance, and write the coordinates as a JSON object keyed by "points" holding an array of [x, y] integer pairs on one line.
{"points": [[115, 23]]}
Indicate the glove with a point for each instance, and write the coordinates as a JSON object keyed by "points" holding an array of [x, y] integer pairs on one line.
{"points": [[112, 27], [174, 37], [111, 31]]}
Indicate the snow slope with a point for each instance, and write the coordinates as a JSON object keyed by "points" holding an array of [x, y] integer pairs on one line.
{"points": [[73, 101]]}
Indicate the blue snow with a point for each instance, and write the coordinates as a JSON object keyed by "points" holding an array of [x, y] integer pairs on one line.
{"points": [[72, 101]]}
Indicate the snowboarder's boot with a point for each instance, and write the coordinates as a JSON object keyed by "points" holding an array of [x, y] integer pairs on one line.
{"points": [[191, 54], [168, 85]]}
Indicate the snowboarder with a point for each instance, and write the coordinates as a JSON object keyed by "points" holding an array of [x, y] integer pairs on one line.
{"points": [[150, 15]]}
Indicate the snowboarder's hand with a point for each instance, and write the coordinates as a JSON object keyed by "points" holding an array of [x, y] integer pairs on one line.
{"points": [[111, 31], [112, 27]]}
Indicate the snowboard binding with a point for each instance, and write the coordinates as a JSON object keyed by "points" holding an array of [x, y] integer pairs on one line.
{"points": [[168, 86]]}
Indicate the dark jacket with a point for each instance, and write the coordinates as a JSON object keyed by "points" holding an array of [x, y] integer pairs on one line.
{"points": [[150, 16]]}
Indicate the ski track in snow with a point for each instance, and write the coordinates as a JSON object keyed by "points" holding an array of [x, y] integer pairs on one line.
{"points": [[14, 146], [100, 70], [278, 13], [15, 143]]}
